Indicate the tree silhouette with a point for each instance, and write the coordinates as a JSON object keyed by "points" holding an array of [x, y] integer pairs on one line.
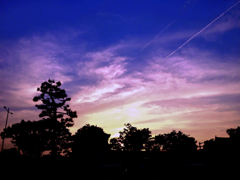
{"points": [[208, 145], [176, 141], [90, 140], [134, 139], [115, 145], [234, 135], [159, 142], [28, 136], [53, 107]]}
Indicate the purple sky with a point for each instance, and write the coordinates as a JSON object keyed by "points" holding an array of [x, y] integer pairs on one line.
{"points": [[157, 65]]}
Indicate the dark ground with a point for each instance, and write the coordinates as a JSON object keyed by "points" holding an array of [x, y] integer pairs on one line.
{"points": [[124, 166]]}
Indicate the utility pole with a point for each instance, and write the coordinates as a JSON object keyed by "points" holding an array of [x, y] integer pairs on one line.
{"points": [[8, 111]]}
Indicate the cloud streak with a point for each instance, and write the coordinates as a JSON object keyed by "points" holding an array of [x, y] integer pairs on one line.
{"points": [[201, 30], [158, 35]]}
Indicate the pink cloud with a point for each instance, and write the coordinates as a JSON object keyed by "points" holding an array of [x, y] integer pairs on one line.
{"points": [[226, 23], [178, 93]]}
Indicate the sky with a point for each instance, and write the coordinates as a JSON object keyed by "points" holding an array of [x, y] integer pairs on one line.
{"points": [[162, 65]]}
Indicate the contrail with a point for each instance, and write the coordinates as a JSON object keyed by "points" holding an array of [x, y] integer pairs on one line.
{"points": [[158, 34], [181, 12], [201, 30]]}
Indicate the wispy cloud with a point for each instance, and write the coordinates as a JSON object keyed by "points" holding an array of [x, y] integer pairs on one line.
{"points": [[198, 103], [158, 35], [226, 23], [202, 30], [108, 86]]}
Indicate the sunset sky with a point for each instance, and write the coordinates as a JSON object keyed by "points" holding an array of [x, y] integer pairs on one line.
{"points": [[161, 65]]}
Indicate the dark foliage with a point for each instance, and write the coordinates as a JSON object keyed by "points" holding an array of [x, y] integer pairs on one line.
{"points": [[175, 141], [208, 145], [50, 133], [234, 138], [158, 143], [134, 139], [29, 137], [90, 140], [53, 107], [115, 144], [224, 144], [54, 99], [234, 133]]}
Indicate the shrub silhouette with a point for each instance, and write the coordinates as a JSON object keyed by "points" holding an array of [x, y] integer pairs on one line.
{"points": [[134, 139], [90, 140], [176, 142]]}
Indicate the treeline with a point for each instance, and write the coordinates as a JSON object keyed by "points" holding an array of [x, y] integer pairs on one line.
{"points": [[51, 133]]}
